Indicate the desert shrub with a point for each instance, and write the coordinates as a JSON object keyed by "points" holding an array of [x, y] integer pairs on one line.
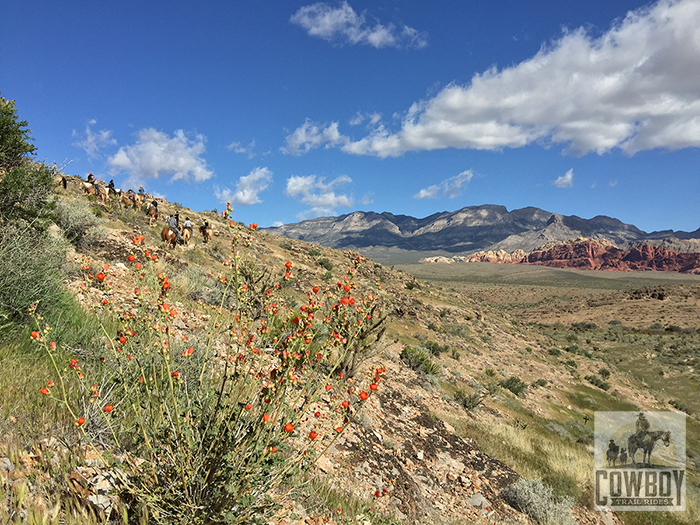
{"points": [[571, 363], [314, 253], [435, 348], [583, 327], [596, 381], [75, 219], [554, 351], [30, 271], [559, 430], [490, 372], [515, 385], [604, 373], [286, 245], [325, 263], [540, 382], [469, 401], [418, 360], [679, 405], [455, 354], [537, 500], [215, 429], [410, 285]]}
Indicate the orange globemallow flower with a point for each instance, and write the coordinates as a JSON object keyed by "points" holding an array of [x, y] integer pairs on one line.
{"points": [[364, 396], [131, 258], [35, 334], [266, 418], [288, 427], [44, 391], [176, 374], [108, 408], [316, 289], [313, 434], [80, 421], [288, 265], [122, 339], [100, 277], [373, 386]]}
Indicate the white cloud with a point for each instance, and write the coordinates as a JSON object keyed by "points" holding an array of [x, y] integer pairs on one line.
{"points": [[566, 180], [237, 147], [367, 198], [343, 25], [247, 188], [449, 188], [633, 88], [310, 136], [320, 196], [612, 183], [155, 153], [94, 141]]}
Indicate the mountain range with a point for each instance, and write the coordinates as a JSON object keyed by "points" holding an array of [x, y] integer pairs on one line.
{"points": [[404, 238]]}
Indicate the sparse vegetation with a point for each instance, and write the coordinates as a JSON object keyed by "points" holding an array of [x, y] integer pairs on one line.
{"points": [[538, 501]]}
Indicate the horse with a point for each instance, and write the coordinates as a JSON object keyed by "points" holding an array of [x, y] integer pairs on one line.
{"points": [[130, 200], [623, 456], [611, 455], [646, 442], [88, 188], [169, 236], [153, 213], [140, 198], [60, 180], [206, 232], [186, 235], [102, 194]]}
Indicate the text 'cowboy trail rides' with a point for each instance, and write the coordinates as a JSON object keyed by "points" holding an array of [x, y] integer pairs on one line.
{"points": [[640, 461]]}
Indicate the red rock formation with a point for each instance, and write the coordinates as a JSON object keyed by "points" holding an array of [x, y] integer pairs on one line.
{"points": [[588, 254]]}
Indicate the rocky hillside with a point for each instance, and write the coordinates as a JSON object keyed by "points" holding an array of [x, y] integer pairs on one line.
{"points": [[474, 228], [458, 373], [589, 254]]}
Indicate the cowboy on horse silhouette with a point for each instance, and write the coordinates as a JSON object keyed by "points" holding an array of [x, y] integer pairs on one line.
{"points": [[642, 426]]}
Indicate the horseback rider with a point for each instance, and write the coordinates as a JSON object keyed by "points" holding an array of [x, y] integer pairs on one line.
{"points": [[91, 178], [612, 447], [188, 224], [172, 222], [155, 205], [111, 186], [642, 426], [142, 191]]}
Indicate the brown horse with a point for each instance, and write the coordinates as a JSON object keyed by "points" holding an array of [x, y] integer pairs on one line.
{"points": [[129, 200], [169, 236], [153, 214], [88, 188], [186, 235], [206, 232]]}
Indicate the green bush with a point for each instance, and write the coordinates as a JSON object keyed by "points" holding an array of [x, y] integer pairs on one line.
{"points": [[537, 500], [418, 360], [15, 137], [540, 382], [604, 373], [554, 351], [515, 385], [469, 401], [26, 194], [314, 253], [679, 405], [325, 263], [75, 219], [30, 272], [596, 381]]}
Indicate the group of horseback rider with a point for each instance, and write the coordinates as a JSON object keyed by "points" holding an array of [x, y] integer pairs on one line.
{"points": [[173, 221]]}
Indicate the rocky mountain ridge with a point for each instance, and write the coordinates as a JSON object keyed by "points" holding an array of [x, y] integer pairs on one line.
{"points": [[472, 229]]}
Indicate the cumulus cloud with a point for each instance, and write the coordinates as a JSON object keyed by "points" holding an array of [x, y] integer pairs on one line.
{"points": [[633, 88], [322, 197], [449, 188], [309, 136], [566, 180], [359, 118], [237, 147], [94, 141], [155, 153], [247, 188], [343, 25]]}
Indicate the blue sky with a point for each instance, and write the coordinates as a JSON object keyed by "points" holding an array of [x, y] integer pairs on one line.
{"points": [[293, 110]]}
